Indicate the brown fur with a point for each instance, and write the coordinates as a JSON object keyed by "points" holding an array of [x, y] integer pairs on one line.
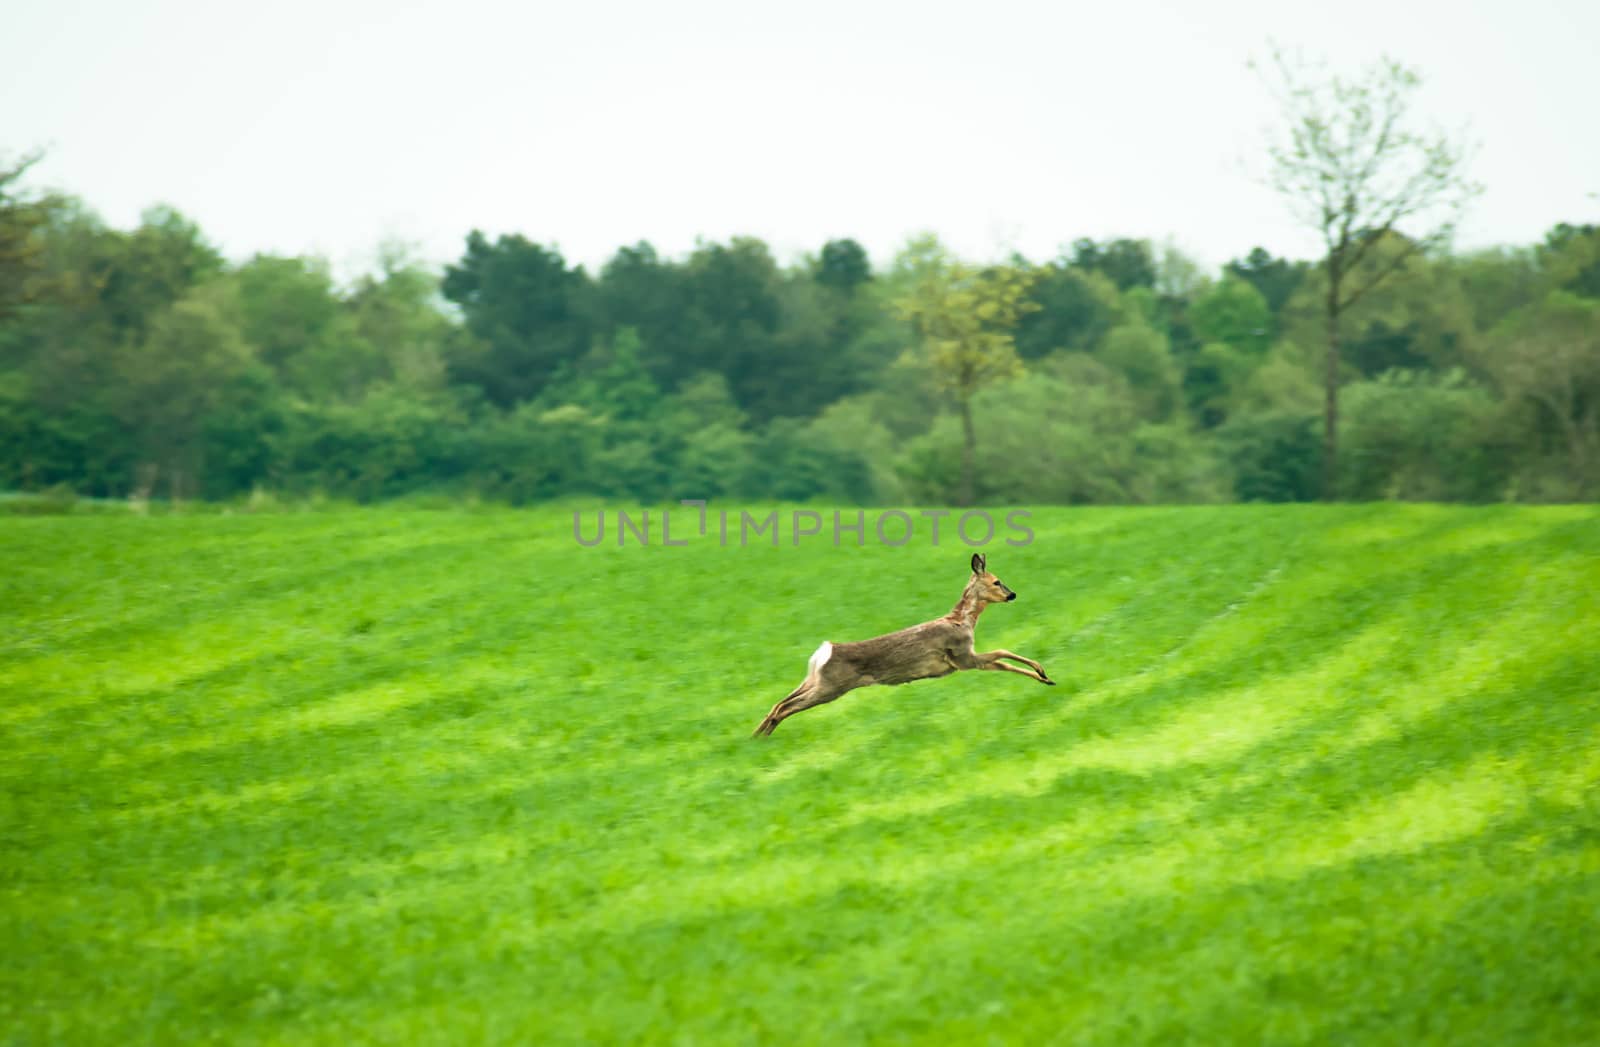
{"points": [[921, 652]]}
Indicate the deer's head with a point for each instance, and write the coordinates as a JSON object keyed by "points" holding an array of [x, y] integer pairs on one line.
{"points": [[985, 585]]}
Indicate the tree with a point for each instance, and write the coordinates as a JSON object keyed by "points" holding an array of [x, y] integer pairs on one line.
{"points": [[286, 305], [1235, 313], [528, 313], [1419, 319], [292, 315], [186, 368], [82, 347], [1126, 263], [1073, 309], [788, 342], [843, 265], [1273, 456], [1233, 324], [1354, 168], [1275, 278], [150, 269], [1571, 254], [1143, 356], [1423, 436], [613, 383], [21, 262], [818, 354], [1178, 276], [965, 317], [637, 288], [1547, 357], [1496, 282], [396, 310], [735, 314]]}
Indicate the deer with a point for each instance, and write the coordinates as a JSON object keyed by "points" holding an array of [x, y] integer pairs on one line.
{"points": [[921, 652]]}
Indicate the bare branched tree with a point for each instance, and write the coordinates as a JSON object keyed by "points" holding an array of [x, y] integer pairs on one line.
{"points": [[1354, 166]]}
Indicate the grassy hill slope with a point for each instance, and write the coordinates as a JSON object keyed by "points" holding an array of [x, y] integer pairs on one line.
{"points": [[1311, 774]]}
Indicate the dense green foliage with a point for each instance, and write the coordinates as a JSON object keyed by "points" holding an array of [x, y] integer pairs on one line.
{"points": [[1312, 774], [140, 362]]}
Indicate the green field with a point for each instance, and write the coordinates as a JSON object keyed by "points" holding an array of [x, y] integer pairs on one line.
{"points": [[1312, 774]]}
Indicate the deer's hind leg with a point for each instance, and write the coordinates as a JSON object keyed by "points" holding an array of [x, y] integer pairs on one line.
{"points": [[779, 712], [813, 690], [806, 697]]}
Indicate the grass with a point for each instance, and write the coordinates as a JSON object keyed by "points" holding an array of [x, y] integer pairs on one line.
{"points": [[1312, 775]]}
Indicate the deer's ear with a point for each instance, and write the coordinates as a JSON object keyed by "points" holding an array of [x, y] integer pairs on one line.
{"points": [[979, 562]]}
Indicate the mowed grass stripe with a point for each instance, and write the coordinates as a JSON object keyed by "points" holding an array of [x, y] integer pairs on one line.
{"points": [[1312, 773]]}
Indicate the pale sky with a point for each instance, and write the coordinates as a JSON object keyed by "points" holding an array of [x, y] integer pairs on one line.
{"points": [[327, 127]]}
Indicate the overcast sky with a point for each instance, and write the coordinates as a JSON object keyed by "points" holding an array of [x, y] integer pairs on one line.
{"points": [[330, 126]]}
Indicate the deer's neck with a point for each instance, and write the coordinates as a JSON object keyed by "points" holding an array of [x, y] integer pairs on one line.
{"points": [[966, 611]]}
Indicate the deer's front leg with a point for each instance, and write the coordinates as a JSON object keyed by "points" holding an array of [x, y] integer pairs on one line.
{"points": [[1029, 662], [991, 660]]}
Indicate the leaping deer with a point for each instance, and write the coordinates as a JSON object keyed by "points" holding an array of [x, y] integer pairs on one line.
{"points": [[936, 648]]}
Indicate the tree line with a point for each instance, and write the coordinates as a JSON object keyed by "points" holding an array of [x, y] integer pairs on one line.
{"points": [[142, 362]]}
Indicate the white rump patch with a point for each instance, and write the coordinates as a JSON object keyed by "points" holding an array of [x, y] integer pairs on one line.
{"points": [[820, 657]]}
